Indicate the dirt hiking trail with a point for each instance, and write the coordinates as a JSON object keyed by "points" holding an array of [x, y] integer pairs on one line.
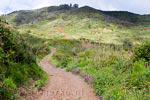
{"points": [[63, 85]]}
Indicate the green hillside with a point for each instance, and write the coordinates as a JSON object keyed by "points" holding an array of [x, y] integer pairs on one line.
{"points": [[84, 22], [53, 12], [112, 48], [128, 16]]}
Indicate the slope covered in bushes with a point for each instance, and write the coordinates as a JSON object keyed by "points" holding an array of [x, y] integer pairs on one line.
{"points": [[18, 65]]}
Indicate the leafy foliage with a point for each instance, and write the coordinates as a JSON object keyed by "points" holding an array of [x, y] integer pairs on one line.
{"points": [[139, 78], [142, 52], [12, 46], [17, 63]]}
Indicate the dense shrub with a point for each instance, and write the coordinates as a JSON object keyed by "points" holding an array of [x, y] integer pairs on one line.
{"points": [[142, 52], [13, 46], [17, 63]]}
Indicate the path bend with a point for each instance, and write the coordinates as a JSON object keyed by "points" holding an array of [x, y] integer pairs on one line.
{"points": [[63, 85]]}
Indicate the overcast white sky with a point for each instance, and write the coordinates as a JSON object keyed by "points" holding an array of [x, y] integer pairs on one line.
{"points": [[136, 6]]}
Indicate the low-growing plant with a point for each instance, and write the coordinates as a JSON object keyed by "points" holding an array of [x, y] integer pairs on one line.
{"points": [[8, 89], [139, 77], [103, 80], [127, 44]]}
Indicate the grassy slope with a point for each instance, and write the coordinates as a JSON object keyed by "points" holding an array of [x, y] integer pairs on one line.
{"points": [[91, 24]]}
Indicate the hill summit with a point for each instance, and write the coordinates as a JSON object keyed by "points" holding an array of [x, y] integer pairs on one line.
{"points": [[55, 12]]}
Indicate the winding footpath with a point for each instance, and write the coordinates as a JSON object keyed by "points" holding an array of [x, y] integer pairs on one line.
{"points": [[63, 85]]}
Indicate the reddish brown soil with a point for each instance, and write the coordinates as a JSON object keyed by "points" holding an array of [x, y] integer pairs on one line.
{"points": [[63, 85], [86, 45], [67, 36]]}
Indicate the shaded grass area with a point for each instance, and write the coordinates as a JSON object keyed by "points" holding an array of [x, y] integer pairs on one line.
{"points": [[108, 68]]}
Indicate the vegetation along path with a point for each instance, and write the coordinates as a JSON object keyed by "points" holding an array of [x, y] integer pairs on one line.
{"points": [[63, 85]]}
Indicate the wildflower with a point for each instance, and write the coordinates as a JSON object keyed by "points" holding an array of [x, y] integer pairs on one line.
{"points": [[4, 89], [87, 79], [21, 94], [9, 27], [101, 98], [82, 75], [72, 71], [145, 64], [134, 87], [77, 73]]}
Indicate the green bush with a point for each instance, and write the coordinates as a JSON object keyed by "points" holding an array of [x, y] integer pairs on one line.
{"points": [[142, 52], [63, 59], [122, 65], [139, 77], [17, 63], [8, 89], [82, 62], [13, 46]]}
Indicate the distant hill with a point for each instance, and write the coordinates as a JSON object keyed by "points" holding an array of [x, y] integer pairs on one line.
{"points": [[31, 16], [128, 16], [65, 11], [123, 15]]}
